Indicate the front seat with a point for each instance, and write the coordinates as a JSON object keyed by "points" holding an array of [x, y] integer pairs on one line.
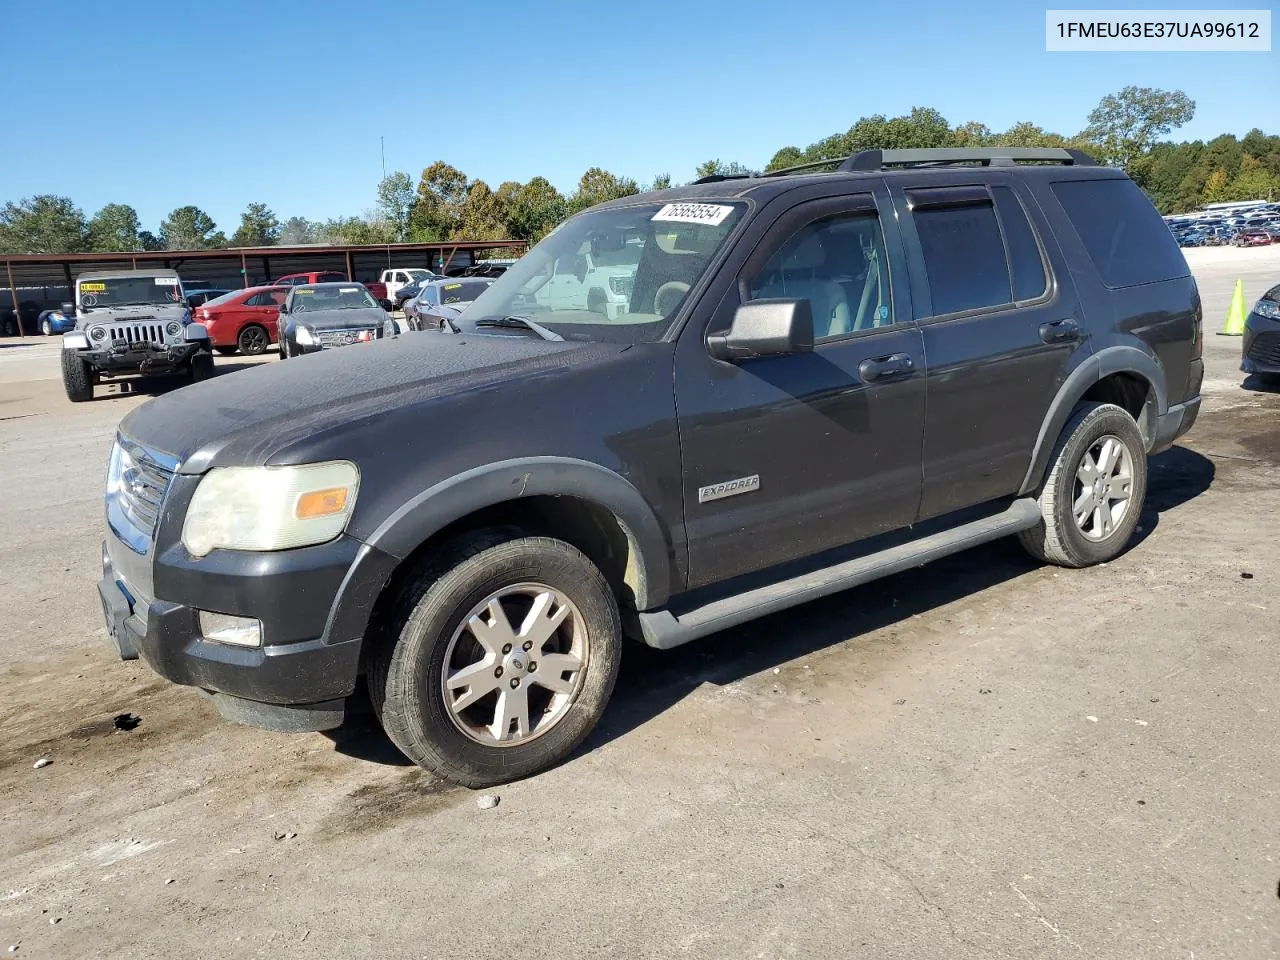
{"points": [[800, 278]]}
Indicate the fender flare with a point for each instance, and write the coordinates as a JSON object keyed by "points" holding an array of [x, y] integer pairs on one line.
{"points": [[1096, 367], [449, 500]]}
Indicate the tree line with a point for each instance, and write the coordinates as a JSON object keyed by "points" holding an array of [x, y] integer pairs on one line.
{"points": [[1126, 129]]}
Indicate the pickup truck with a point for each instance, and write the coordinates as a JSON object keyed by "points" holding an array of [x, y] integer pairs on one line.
{"points": [[393, 280], [378, 289]]}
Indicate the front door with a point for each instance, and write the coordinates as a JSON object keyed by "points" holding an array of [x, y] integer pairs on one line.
{"points": [[786, 456], [1001, 329]]}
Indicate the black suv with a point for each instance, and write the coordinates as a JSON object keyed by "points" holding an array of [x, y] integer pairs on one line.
{"points": [[799, 382]]}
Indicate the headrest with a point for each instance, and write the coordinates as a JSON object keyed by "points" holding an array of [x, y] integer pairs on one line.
{"points": [[807, 254]]}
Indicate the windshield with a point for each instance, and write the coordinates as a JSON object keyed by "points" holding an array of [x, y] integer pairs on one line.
{"points": [[615, 275], [417, 276], [462, 291], [311, 299], [224, 298], [129, 291]]}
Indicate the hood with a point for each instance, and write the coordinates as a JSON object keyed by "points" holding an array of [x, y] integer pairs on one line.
{"points": [[245, 418], [340, 319], [146, 311]]}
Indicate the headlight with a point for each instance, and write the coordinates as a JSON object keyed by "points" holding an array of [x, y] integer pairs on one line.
{"points": [[270, 508], [174, 328], [304, 336], [98, 333], [1267, 308]]}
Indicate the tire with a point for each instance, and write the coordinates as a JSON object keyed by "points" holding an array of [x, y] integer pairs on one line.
{"points": [[201, 366], [1059, 538], [253, 340], [597, 303], [226, 351], [77, 378], [10, 328], [407, 670], [46, 328]]}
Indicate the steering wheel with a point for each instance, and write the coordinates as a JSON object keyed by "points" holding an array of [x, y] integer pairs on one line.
{"points": [[668, 297]]}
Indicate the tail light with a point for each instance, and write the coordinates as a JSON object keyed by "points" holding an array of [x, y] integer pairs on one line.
{"points": [[1197, 330]]}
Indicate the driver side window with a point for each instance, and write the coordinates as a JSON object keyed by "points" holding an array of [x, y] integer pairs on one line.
{"points": [[839, 265]]}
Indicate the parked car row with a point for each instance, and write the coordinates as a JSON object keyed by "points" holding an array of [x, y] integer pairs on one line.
{"points": [[1252, 227]]}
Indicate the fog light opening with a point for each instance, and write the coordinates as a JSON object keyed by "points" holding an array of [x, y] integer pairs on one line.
{"points": [[224, 628]]}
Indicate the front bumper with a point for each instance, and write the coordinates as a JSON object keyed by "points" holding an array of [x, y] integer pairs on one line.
{"points": [[1260, 349], [313, 602], [148, 359]]}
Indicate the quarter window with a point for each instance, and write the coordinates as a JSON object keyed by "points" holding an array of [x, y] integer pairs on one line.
{"points": [[838, 264]]}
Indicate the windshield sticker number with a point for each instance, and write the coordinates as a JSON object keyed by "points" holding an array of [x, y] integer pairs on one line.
{"points": [[166, 281], [348, 289], [303, 293], [712, 214], [452, 286], [93, 288]]}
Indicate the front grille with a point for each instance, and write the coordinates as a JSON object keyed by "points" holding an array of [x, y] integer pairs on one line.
{"points": [[136, 333], [340, 338], [137, 482], [1265, 349]]}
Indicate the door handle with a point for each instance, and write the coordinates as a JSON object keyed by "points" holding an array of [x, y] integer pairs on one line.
{"points": [[894, 367], [1060, 331]]}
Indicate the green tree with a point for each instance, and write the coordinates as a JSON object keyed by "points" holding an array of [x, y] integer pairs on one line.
{"points": [[1126, 125], [296, 231], [114, 228], [786, 157], [1253, 182], [396, 199], [1215, 188], [482, 216], [661, 182], [258, 227], [442, 190], [43, 224], [189, 228], [534, 209], [972, 134], [597, 186], [149, 241]]}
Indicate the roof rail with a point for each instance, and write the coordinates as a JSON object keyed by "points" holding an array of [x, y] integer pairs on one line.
{"points": [[987, 156], [811, 165]]}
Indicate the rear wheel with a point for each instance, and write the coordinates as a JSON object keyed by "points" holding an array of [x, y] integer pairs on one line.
{"points": [[1091, 500], [499, 658], [77, 378], [201, 366], [253, 340]]}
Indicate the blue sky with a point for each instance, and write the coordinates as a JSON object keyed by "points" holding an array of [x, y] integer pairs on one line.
{"points": [[223, 102]]}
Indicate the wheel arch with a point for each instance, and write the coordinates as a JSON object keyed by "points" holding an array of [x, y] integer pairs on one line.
{"points": [[589, 506], [1123, 375]]}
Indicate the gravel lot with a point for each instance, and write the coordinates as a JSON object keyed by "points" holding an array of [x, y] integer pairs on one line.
{"points": [[980, 758]]}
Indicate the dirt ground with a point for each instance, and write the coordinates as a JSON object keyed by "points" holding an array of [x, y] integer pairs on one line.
{"points": [[980, 758]]}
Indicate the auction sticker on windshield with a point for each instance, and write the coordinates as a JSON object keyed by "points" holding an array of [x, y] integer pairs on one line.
{"points": [[166, 281], [712, 214], [93, 287], [348, 289]]}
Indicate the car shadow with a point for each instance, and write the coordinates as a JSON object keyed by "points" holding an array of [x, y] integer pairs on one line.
{"points": [[1259, 383], [160, 384], [652, 681]]}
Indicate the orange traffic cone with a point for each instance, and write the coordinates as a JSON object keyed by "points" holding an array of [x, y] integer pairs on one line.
{"points": [[1236, 313]]}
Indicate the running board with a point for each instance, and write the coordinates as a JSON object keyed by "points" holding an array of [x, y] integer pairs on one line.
{"points": [[663, 630]]}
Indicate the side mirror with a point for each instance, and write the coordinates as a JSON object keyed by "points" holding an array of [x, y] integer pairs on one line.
{"points": [[386, 305], [284, 308], [765, 328], [68, 309]]}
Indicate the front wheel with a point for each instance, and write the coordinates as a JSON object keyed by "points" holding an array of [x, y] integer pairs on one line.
{"points": [[201, 367], [77, 378], [46, 328], [498, 660], [1092, 498]]}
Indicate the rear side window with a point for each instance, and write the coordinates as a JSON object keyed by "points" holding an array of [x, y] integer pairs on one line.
{"points": [[1025, 262], [963, 257], [1124, 235]]}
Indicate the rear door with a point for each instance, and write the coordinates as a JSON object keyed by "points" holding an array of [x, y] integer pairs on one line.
{"points": [[999, 316]]}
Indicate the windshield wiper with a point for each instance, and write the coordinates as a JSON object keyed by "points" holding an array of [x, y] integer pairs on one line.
{"points": [[522, 323]]}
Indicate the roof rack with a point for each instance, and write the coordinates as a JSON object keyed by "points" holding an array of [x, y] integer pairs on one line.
{"points": [[874, 160], [717, 177], [986, 156]]}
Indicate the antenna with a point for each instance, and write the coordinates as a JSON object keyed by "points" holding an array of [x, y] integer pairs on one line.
{"points": [[382, 142]]}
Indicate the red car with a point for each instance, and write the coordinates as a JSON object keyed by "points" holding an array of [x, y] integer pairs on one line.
{"points": [[1252, 238], [244, 320], [378, 289]]}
